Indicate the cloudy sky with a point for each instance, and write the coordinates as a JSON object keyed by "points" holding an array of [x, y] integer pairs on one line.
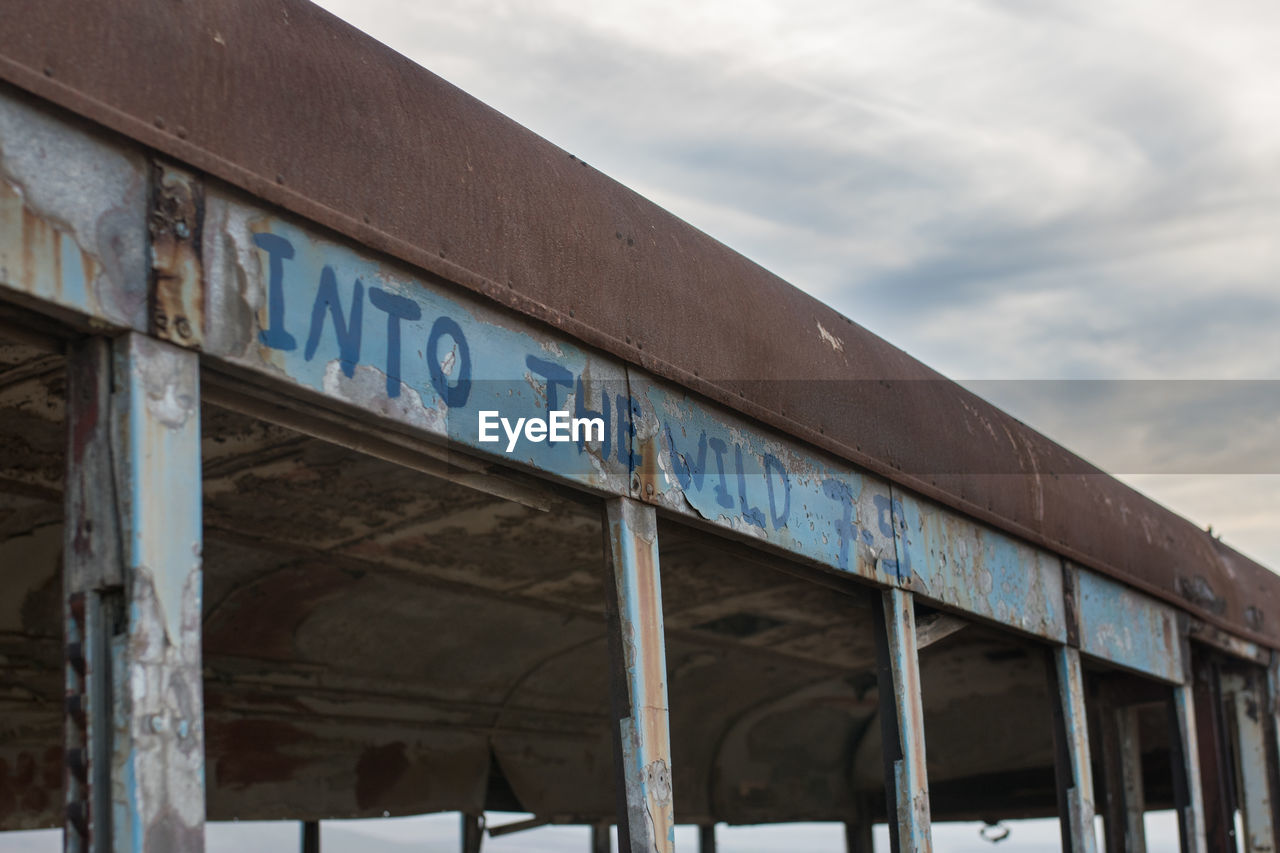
{"points": [[1007, 190]]}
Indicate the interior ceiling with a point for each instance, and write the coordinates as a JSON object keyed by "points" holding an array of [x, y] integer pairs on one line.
{"points": [[379, 640]]}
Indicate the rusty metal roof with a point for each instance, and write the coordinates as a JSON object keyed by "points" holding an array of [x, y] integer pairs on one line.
{"points": [[284, 100]]}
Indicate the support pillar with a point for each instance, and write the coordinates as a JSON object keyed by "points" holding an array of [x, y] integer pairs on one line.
{"points": [[638, 675], [1125, 801], [310, 836], [1255, 760], [132, 584], [1185, 760], [1217, 782], [707, 838], [600, 840], [902, 724], [472, 832], [1071, 751]]}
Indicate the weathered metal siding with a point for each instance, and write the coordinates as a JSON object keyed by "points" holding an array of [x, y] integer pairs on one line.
{"points": [[1123, 626], [963, 564], [72, 214], [371, 335], [637, 648], [337, 128]]}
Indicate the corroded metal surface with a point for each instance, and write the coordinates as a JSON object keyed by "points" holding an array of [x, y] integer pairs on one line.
{"points": [[1242, 691], [1185, 759], [957, 562], [177, 280], [72, 214], [384, 340], [902, 726], [715, 466], [1075, 771], [462, 192], [157, 773], [1126, 627], [639, 675]]}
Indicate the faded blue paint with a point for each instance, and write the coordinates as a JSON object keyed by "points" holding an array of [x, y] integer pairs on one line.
{"points": [[363, 332], [1191, 822], [910, 776], [644, 730], [961, 563], [1247, 705], [1123, 626], [72, 217], [158, 755], [1080, 801], [715, 465]]}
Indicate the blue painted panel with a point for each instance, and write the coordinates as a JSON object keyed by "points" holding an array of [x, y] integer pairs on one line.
{"points": [[706, 462], [978, 570], [1123, 626], [73, 226], [378, 337]]}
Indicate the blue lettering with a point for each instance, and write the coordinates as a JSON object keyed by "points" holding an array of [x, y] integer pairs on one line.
{"points": [[771, 465], [348, 334], [278, 249], [752, 514], [688, 473], [628, 411], [722, 488], [580, 410], [555, 375], [397, 308], [454, 395], [838, 490]]}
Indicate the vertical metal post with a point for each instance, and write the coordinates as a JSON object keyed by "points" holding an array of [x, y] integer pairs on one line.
{"points": [[600, 840], [1217, 784], [472, 832], [135, 717], [310, 836], [857, 837], [1254, 764], [1185, 759], [902, 724], [1122, 760], [707, 838], [1071, 741], [1122, 795], [638, 674]]}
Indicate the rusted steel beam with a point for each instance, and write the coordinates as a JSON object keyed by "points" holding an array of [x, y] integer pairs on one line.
{"points": [[638, 673], [902, 724], [1184, 760], [1071, 741], [1255, 760], [138, 784]]}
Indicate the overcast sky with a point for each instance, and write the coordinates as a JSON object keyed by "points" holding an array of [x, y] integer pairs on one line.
{"points": [[1007, 190]]}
